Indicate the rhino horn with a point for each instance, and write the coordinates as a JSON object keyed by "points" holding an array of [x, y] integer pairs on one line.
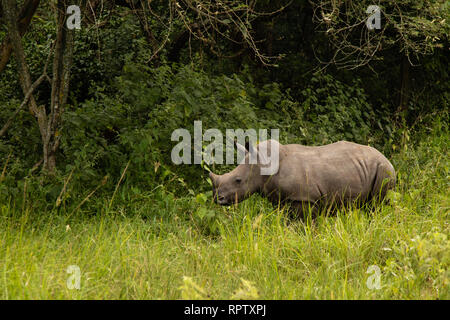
{"points": [[213, 176]]}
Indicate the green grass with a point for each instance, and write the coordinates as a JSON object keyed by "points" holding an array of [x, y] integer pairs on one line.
{"points": [[158, 246]]}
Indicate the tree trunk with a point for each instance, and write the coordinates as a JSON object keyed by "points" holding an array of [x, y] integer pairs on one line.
{"points": [[62, 63], [9, 9], [25, 16], [49, 124]]}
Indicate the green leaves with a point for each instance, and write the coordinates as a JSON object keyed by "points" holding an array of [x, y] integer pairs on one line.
{"points": [[334, 111]]}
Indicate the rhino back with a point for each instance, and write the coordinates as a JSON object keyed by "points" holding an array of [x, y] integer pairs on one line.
{"points": [[342, 170]]}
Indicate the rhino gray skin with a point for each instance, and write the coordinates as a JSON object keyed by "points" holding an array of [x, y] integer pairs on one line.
{"points": [[332, 174]]}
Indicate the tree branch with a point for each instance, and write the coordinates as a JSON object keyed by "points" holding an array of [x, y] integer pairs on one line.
{"points": [[27, 96]]}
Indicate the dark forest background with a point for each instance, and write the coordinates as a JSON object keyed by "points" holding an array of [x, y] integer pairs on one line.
{"points": [[108, 96]]}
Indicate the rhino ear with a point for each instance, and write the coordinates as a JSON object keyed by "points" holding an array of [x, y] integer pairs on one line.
{"points": [[250, 148], [247, 148], [248, 145], [253, 153], [240, 147]]}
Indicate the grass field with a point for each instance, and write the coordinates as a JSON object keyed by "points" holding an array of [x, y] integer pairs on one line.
{"points": [[159, 246]]}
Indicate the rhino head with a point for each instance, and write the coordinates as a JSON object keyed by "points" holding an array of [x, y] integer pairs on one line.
{"points": [[246, 179]]}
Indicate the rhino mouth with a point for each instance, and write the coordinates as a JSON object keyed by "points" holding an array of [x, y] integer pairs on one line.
{"points": [[224, 201]]}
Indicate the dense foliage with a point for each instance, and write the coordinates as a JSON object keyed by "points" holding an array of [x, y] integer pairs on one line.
{"points": [[312, 69], [123, 106]]}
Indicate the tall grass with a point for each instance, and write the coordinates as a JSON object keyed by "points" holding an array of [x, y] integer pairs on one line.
{"points": [[158, 246]]}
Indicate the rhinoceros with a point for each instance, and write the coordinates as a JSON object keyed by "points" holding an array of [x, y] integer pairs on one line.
{"points": [[308, 177]]}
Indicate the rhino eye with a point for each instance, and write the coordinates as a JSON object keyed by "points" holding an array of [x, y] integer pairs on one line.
{"points": [[238, 180]]}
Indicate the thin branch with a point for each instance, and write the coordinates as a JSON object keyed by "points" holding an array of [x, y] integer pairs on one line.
{"points": [[33, 87], [23, 104]]}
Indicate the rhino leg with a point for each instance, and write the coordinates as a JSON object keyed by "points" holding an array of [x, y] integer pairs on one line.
{"points": [[297, 209], [304, 209]]}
